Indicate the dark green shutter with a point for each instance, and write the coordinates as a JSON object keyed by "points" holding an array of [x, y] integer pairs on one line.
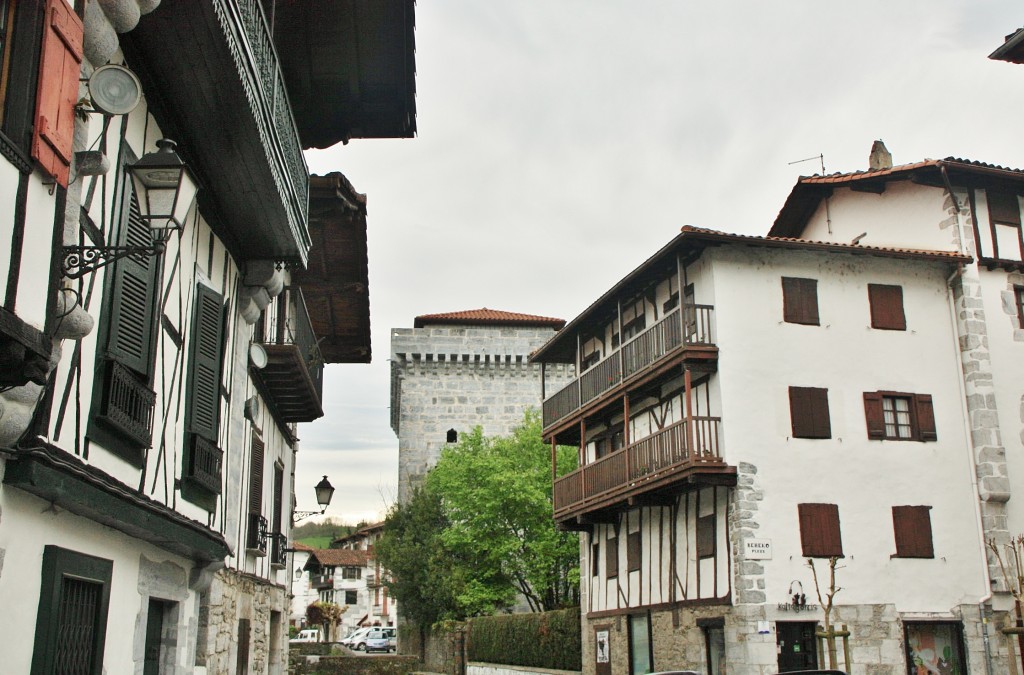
{"points": [[203, 404], [134, 294]]}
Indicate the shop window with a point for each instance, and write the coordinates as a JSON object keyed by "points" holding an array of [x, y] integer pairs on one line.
{"points": [[808, 410], [633, 551], [912, 527], [800, 301], [611, 562], [71, 624], [899, 417], [820, 535], [706, 536], [886, 307], [934, 647], [641, 660]]}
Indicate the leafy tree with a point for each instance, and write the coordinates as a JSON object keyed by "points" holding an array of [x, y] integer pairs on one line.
{"points": [[496, 494], [325, 614]]}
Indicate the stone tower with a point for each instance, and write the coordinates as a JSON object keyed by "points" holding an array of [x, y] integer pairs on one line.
{"points": [[454, 371]]}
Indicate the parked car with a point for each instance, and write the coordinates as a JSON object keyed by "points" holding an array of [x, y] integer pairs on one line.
{"points": [[306, 635], [356, 640], [381, 640]]}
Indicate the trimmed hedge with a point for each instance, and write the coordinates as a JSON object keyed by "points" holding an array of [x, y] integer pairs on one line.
{"points": [[543, 640]]}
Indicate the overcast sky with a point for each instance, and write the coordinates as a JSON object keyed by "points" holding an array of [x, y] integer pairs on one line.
{"points": [[561, 143]]}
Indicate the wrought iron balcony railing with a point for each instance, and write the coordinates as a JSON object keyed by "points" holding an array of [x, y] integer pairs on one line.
{"points": [[204, 464], [278, 544], [682, 328], [257, 535]]}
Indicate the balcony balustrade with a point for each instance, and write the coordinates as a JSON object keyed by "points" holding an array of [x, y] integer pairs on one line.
{"points": [[654, 462], [128, 405], [256, 539], [684, 328], [322, 581], [278, 544], [295, 368]]}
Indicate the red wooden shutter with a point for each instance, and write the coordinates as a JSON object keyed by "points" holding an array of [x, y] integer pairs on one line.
{"points": [[59, 69], [633, 548], [611, 562], [874, 415], [819, 530], [887, 307], [912, 527], [800, 301], [808, 409], [925, 417]]}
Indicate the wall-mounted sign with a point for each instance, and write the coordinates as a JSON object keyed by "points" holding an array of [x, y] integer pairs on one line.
{"points": [[758, 549], [602, 646]]}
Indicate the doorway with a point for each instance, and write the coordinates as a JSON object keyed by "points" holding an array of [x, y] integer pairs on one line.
{"points": [[796, 645], [154, 637]]}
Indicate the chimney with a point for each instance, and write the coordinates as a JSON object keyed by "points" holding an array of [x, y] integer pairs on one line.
{"points": [[879, 159]]}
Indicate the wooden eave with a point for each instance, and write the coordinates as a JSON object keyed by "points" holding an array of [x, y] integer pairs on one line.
{"points": [[61, 479], [335, 283], [1012, 50], [286, 378], [350, 67], [211, 78]]}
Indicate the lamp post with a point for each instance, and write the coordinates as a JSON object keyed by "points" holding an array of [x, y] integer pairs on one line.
{"points": [[324, 492], [165, 189]]}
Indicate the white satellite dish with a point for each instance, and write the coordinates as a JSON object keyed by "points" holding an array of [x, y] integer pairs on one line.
{"points": [[258, 355], [114, 90]]}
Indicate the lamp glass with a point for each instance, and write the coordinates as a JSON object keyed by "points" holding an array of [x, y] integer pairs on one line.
{"points": [[164, 186], [324, 492]]}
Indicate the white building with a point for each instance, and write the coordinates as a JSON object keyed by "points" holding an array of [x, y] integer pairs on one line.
{"points": [[351, 578], [149, 402], [849, 386]]}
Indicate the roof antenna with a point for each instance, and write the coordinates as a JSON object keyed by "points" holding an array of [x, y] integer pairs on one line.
{"points": [[820, 157]]}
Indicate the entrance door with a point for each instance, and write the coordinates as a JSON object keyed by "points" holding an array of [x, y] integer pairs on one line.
{"points": [[154, 636], [796, 645]]}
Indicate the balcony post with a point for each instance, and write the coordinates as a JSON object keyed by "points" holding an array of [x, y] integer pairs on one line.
{"points": [[622, 338], [688, 388], [282, 315], [543, 374], [625, 434]]}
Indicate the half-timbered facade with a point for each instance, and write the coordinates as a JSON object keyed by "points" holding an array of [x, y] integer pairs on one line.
{"points": [[150, 395], [745, 404]]}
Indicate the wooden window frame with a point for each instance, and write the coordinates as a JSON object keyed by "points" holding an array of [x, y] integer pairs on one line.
{"points": [[1018, 296], [706, 536], [800, 301], [808, 412], [820, 531], [921, 413], [58, 564], [611, 556], [638, 322], [912, 531], [1009, 218], [673, 295], [351, 572], [634, 551], [887, 307]]}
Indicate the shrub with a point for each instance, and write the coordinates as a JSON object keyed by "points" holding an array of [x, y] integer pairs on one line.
{"points": [[540, 640]]}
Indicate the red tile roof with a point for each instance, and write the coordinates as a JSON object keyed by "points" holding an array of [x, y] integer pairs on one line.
{"points": [[338, 557], [488, 317], [299, 546]]}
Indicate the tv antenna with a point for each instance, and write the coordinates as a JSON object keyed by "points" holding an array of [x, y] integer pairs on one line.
{"points": [[820, 157]]}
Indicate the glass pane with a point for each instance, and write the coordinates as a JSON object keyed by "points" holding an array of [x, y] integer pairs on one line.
{"points": [[639, 644], [934, 648]]}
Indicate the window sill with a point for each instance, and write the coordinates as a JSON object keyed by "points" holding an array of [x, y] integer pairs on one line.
{"points": [[255, 552]]}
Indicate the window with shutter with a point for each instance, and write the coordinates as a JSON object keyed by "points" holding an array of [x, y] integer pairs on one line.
{"points": [[1005, 222], [898, 416], [202, 463], [706, 536], [611, 562], [800, 301], [886, 307], [59, 69], [808, 410], [633, 551], [819, 530], [912, 527], [257, 453]]}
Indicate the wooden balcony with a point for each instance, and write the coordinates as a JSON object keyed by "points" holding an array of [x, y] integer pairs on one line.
{"points": [[684, 333], [680, 455]]}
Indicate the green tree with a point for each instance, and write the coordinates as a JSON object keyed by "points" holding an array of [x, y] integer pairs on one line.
{"points": [[496, 494]]}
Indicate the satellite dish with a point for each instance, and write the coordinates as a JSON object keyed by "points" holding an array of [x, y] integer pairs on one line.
{"points": [[258, 355], [114, 90]]}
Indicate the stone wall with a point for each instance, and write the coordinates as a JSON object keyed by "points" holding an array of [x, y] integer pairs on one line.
{"points": [[458, 378], [476, 668], [234, 596]]}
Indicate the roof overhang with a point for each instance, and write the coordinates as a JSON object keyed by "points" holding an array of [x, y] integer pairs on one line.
{"points": [[1012, 50], [335, 283], [689, 245], [350, 68]]}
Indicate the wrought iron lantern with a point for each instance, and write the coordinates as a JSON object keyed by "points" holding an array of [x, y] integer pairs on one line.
{"points": [[324, 493]]}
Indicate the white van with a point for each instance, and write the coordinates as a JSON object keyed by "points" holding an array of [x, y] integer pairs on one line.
{"points": [[356, 640], [306, 635]]}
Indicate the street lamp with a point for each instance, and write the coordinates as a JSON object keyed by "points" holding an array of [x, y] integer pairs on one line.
{"points": [[324, 492], [165, 190]]}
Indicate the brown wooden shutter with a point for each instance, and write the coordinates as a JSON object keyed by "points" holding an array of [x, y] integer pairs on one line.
{"points": [[925, 417], [611, 562], [203, 393], [886, 307], [706, 536], [874, 415], [256, 475], [633, 551], [820, 536], [59, 69], [808, 409], [595, 551], [912, 527], [1003, 207], [800, 301]]}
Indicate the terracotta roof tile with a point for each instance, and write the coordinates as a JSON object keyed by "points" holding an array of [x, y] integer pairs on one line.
{"points": [[338, 556], [299, 546], [902, 168], [488, 317]]}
